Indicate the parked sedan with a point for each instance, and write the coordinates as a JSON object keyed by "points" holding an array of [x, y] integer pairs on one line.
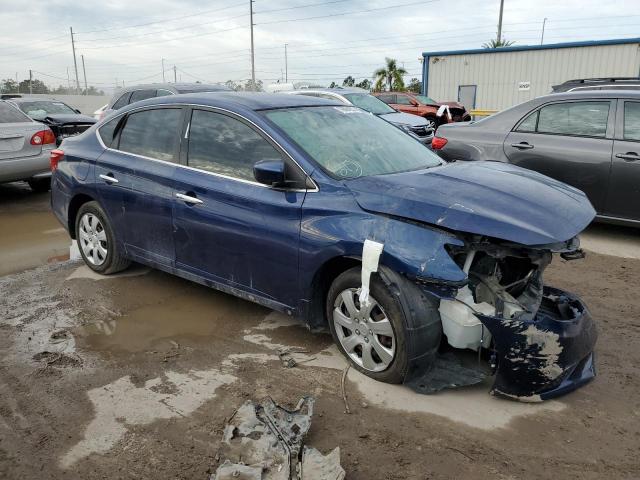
{"points": [[331, 214], [425, 107], [25, 146], [62, 119], [590, 140], [418, 128]]}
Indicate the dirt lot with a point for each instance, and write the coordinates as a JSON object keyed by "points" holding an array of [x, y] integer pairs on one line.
{"points": [[134, 376]]}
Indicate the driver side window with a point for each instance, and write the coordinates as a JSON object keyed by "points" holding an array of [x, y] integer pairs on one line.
{"points": [[226, 146]]}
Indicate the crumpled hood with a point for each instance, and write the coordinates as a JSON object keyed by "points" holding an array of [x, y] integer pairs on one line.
{"points": [[404, 119], [68, 119], [486, 198]]}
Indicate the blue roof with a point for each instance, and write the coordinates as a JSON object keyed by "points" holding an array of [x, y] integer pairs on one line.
{"points": [[246, 100], [521, 48]]}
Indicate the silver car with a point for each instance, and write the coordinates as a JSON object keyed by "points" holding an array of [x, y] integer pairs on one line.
{"points": [[418, 127], [25, 146]]}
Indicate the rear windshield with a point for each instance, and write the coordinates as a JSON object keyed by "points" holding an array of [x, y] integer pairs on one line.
{"points": [[40, 109], [10, 114], [349, 143]]}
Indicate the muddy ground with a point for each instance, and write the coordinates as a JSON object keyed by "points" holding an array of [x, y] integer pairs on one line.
{"points": [[134, 376]]}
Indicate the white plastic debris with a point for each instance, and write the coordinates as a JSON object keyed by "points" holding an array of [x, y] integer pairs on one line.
{"points": [[74, 251], [371, 252]]}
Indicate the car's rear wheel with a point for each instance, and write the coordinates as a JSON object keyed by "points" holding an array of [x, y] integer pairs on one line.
{"points": [[40, 185], [384, 339], [97, 242]]}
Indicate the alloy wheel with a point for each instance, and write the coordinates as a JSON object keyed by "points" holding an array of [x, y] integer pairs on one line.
{"points": [[364, 331], [93, 239]]}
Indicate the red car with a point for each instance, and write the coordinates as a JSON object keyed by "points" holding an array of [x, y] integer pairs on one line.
{"points": [[424, 106]]}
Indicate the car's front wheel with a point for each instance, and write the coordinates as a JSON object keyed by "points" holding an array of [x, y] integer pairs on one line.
{"points": [[398, 327], [97, 242]]}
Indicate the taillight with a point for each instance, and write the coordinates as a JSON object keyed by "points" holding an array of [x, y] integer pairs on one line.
{"points": [[56, 156], [438, 142], [43, 137]]}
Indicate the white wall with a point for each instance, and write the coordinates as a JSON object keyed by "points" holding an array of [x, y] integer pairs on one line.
{"points": [[497, 75]]}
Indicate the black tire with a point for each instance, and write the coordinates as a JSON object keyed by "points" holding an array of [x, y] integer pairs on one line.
{"points": [[114, 261], [40, 185], [413, 315]]}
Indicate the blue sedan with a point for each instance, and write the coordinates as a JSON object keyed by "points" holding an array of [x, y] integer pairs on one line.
{"points": [[330, 214]]}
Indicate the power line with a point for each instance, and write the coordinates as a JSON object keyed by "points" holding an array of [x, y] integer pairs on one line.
{"points": [[163, 21]]}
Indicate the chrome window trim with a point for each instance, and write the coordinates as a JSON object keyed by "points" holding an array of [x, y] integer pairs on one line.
{"points": [[218, 109]]}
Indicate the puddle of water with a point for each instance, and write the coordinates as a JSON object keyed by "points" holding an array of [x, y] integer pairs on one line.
{"points": [[189, 315], [85, 272], [30, 239]]}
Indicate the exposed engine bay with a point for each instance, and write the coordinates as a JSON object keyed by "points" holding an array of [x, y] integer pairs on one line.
{"points": [[539, 340], [64, 125]]}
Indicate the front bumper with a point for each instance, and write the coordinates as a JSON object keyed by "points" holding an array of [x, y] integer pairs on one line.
{"points": [[547, 356]]}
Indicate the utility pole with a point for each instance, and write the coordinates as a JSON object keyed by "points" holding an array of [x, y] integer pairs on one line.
{"points": [[68, 80], [175, 75], [500, 21], [30, 81], [84, 72], [253, 65], [543, 24], [286, 65], [163, 80], [75, 63]]}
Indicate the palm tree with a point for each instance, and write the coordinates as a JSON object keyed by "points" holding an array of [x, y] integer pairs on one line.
{"points": [[497, 43], [390, 75]]}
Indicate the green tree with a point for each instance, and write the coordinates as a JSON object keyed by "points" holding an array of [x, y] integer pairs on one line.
{"points": [[233, 85], [349, 81], [415, 86], [333, 85], [364, 84], [497, 43], [249, 86], [389, 75], [8, 86], [37, 86]]}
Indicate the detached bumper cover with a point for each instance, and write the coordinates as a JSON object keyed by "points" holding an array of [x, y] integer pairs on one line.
{"points": [[547, 356]]}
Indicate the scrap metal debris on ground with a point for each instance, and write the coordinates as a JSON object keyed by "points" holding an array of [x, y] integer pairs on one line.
{"points": [[265, 442]]}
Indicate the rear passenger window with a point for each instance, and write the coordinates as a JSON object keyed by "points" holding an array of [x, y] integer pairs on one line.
{"points": [[224, 145], [587, 119], [163, 93], [152, 133], [142, 95], [529, 123], [632, 120], [108, 130], [122, 101], [403, 100]]}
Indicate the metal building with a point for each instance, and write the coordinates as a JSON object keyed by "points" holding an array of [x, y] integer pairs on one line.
{"points": [[497, 78]]}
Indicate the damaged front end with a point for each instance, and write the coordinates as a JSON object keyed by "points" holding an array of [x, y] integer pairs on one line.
{"points": [[539, 339]]}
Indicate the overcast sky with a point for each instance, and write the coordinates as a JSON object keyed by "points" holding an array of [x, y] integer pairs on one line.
{"points": [[125, 40]]}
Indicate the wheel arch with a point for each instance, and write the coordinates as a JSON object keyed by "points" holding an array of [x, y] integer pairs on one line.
{"points": [[74, 206]]}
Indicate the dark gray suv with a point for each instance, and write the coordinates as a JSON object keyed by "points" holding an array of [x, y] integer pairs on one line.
{"points": [[590, 140]]}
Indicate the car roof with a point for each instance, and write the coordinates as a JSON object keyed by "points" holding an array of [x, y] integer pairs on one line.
{"points": [[244, 100], [173, 87], [336, 90], [592, 94]]}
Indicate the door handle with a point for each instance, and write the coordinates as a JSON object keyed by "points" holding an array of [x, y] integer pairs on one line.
{"points": [[189, 199], [108, 178], [522, 145], [630, 156]]}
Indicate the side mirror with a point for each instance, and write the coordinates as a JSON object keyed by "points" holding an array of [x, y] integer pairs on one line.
{"points": [[414, 103], [269, 172]]}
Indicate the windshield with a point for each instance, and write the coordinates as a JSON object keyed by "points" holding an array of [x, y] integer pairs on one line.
{"points": [[369, 103], [40, 109], [349, 143], [426, 100]]}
